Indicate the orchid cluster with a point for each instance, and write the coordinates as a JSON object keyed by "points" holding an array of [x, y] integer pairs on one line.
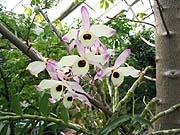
{"points": [[67, 73]]}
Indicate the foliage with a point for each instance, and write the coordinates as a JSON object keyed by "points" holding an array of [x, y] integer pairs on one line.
{"points": [[18, 94]]}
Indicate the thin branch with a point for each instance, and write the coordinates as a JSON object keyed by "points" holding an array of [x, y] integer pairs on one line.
{"points": [[58, 34], [42, 118], [71, 8], [132, 21], [147, 42], [18, 43], [151, 6], [130, 7], [148, 106], [150, 78], [166, 132], [99, 105], [166, 112], [162, 17]]}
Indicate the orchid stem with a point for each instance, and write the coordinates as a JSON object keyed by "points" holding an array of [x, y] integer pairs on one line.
{"points": [[132, 89], [13, 117], [163, 113]]}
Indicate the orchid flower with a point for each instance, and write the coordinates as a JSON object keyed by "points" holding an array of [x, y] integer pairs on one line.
{"points": [[36, 67], [63, 90], [88, 34], [116, 72]]}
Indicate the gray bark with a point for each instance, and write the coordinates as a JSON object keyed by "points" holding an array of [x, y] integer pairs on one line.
{"points": [[18, 43], [168, 61]]}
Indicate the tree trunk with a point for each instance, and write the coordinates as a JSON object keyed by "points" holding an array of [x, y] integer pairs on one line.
{"points": [[167, 60]]}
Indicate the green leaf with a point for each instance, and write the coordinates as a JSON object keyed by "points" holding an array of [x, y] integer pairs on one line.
{"points": [[39, 18], [15, 104], [114, 124], [58, 23], [77, 115], [64, 114], [43, 104], [141, 120], [4, 129], [23, 129], [106, 5], [102, 3], [27, 11], [112, 1]]}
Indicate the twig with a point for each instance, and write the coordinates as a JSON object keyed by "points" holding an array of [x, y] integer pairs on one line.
{"points": [[163, 113], [166, 132], [42, 118], [99, 105], [148, 106], [147, 42], [150, 78], [71, 8], [151, 6], [58, 34], [162, 17], [132, 21]]}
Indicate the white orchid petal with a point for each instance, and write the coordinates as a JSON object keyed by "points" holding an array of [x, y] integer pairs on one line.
{"points": [[36, 67], [70, 35], [46, 84], [80, 66], [117, 77], [91, 56], [67, 61], [102, 30], [130, 71]]}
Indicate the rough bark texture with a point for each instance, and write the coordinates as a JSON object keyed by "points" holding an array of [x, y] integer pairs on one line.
{"points": [[168, 61]]}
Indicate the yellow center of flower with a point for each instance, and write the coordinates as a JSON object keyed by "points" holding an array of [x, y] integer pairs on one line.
{"points": [[87, 36], [82, 63], [69, 99], [116, 74]]}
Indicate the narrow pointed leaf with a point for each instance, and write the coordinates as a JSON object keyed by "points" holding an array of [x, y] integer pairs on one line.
{"points": [[141, 120], [114, 124], [43, 104], [15, 104], [4, 129]]}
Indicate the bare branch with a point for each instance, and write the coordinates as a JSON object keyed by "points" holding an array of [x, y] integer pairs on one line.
{"points": [[147, 42], [18, 43], [58, 34], [71, 8], [132, 21]]}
